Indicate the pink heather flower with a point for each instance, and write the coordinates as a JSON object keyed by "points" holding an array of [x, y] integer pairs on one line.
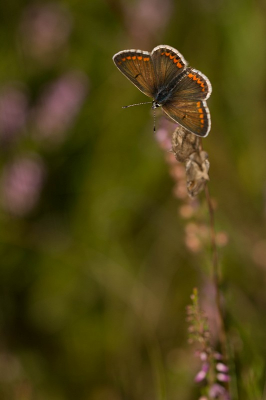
{"points": [[205, 367], [45, 29], [163, 134], [13, 112], [223, 377], [145, 17], [217, 391], [20, 185], [208, 304], [201, 375], [222, 367], [59, 105], [218, 356], [163, 138], [203, 356]]}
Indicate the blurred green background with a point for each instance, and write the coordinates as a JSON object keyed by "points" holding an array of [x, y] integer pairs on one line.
{"points": [[95, 272]]}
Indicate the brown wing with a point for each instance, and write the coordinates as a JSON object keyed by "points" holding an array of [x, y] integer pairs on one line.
{"points": [[168, 64], [137, 66], [187, 104], [193, 86], [192, 115]]}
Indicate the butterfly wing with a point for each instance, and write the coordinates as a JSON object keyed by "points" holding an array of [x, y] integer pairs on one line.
{"points": [[168, 64], [192, 115], [187, 104], [137, 66]]}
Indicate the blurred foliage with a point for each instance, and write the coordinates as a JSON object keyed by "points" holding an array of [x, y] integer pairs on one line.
{"points": [[95, 274]]}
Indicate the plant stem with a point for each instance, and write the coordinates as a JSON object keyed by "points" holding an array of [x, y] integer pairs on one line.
{"points": [[216, 275]]}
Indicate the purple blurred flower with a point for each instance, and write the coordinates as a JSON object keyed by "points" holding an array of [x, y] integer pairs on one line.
{"points": [[218, 356], [223, 377], [217, 391], [208, 304], [162, 135], [20, 185], [59, 105], [146, 18], [13, 112], [163, 138], [45, 29], [201, 375], [222, 367], [203, 356]]}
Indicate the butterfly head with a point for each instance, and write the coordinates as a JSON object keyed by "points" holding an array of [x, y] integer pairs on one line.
{"points": [[155, 105]]}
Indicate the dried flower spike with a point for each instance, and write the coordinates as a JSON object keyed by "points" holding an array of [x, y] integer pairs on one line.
{"points": [[186, 148]]}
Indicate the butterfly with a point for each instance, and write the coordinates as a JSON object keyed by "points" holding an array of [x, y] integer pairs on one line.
{"points": [[164, 76]]}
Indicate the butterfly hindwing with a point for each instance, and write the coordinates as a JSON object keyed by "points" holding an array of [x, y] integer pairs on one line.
{"points": [[187, 104], [137, 66], [192, 115]]}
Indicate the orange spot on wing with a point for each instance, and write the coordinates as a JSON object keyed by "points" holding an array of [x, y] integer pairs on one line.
{"points": [[194, 78], [190, 75], [162, 54], [146, 59], [198, 104], [200, 110], [134, 58], [128, 57], [172, 56], [202, 121], [123, 59], [176, 61], [139, 57], [167, 54], [201, 116]]}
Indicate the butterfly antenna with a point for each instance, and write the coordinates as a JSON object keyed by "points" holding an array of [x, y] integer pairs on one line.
{"points": [[137, 104]]}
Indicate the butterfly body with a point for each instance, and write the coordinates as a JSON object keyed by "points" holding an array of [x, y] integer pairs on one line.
{"points": [[163, 75], [165, 93]]}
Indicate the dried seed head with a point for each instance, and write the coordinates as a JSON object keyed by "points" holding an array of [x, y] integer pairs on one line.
{"points": [[184, 144], [197, 167], [186, 148]]}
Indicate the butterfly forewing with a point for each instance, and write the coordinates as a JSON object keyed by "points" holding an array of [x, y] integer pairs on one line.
{"points": [[192, 115], [168, 64], [137, 66]]}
